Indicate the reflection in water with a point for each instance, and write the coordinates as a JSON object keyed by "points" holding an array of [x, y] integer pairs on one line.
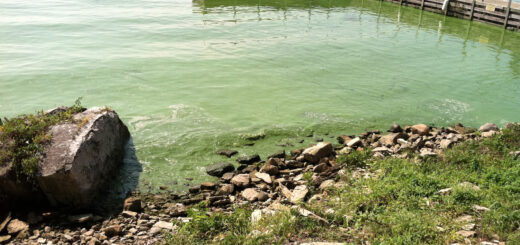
{"points": [[497, 38]]}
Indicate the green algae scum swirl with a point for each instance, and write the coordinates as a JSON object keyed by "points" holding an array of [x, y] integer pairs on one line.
{"points": [[193, 77]]}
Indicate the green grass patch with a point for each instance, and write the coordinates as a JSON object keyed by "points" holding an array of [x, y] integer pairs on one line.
{"points": [[22, 140]]}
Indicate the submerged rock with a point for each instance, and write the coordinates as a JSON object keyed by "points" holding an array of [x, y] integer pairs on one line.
{"points": [[219, 169], [488, 127], [248, 159]]}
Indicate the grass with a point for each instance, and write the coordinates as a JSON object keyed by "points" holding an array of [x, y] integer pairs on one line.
{"points": [[22, 140], [399, 204]]}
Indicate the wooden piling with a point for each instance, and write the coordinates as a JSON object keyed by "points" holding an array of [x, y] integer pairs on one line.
{"points": [[507, 14], [472, 10]]}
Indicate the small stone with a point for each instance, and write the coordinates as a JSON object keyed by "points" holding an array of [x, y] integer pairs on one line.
{"points": [[250, 194], [468, 185], [227, 153], [269, 169], [445, 144], [208, 186], [262, 196], [488, 134], [280, 154], [322, 167], [480, 208], [177, 209], [468, 227], [194, 189], [343, 139], [164, 225], [133, 204], [488, 127], [355, 142], [325, 184], [16, 226], [5, 238], [129, 214], [391, 139], [396, 128], [218, 169], [163, 187], [113, 230], [227, 176], [315, 153], [445, 191], [241, 180], [420, 129], [466, 234], [249, 159], [265, 177], [225, 189], [298, 194]]}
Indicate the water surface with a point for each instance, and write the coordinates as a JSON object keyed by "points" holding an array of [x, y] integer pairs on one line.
{"points": [[192, 77]]}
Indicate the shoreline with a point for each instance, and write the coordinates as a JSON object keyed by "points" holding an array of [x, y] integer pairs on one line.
{"points": [[284, 182]]}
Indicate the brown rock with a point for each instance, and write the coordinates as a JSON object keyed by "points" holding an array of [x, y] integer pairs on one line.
{"points": [[16, 226], [208, 186], [315, 153], [176, 209], [420, 129], [466, 234], [265, 177], [250, 194], [133, 204], [391, 139], [396, 128], [488, 127], [4, 238], [227, 153], [269, 169], [321, 167], [343, 139], [225, 189], [6, 220], [113, 230], [241, 180]]}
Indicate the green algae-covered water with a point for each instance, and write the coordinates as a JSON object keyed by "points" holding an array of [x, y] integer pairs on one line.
{"points": [[189, 78]]}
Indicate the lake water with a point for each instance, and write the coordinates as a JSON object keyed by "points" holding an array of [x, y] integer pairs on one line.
{"points": [[189, 78]]}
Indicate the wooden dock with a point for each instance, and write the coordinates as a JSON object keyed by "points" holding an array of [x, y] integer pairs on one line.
{"points": [[500, 13]]}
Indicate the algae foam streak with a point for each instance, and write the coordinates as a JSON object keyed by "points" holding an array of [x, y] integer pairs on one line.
{"points": [[192, 77]]}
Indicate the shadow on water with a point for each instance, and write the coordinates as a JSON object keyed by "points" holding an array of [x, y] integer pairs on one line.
{"points": [[498, 39], [125, 182]]}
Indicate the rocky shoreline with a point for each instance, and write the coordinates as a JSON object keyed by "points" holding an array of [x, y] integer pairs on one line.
{"points": [[281, 182]]}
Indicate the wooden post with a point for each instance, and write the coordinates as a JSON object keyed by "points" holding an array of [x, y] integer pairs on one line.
{"points": [[401, 2], [472, 10], [507, 14], [422, 5]]}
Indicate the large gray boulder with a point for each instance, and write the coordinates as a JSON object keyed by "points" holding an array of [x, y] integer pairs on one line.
{"points": [[81, 159]]}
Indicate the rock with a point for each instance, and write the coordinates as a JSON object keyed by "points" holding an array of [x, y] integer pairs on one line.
{"points": [[80, 218], [480, 208], [488, 127], [315, 153], [218, 169], [227, 153], [227, 177], [420, 129], [16, 226], [464, 219], [391, 139], [241, 180], [488, 134], [262, 196], [468, 185], [269, 169], [194, 189], [469, 227], [113, 230], [250, 194], [163, 187], [249, 159], [355, 142], [256, 216], [322, 167], [133, 204], [343, 139], [5, 221], [129, 214], [208, 185], [383, 150], [307, 213], [396, 128], [79, 163], [265, 177], [280, 154], [466, 234], [164, 225], [298, 194], [325, 184], [445, 144], [4, 238], [515, 154], [445, 191], [176, 209], [427, 152], [225, 190]]}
